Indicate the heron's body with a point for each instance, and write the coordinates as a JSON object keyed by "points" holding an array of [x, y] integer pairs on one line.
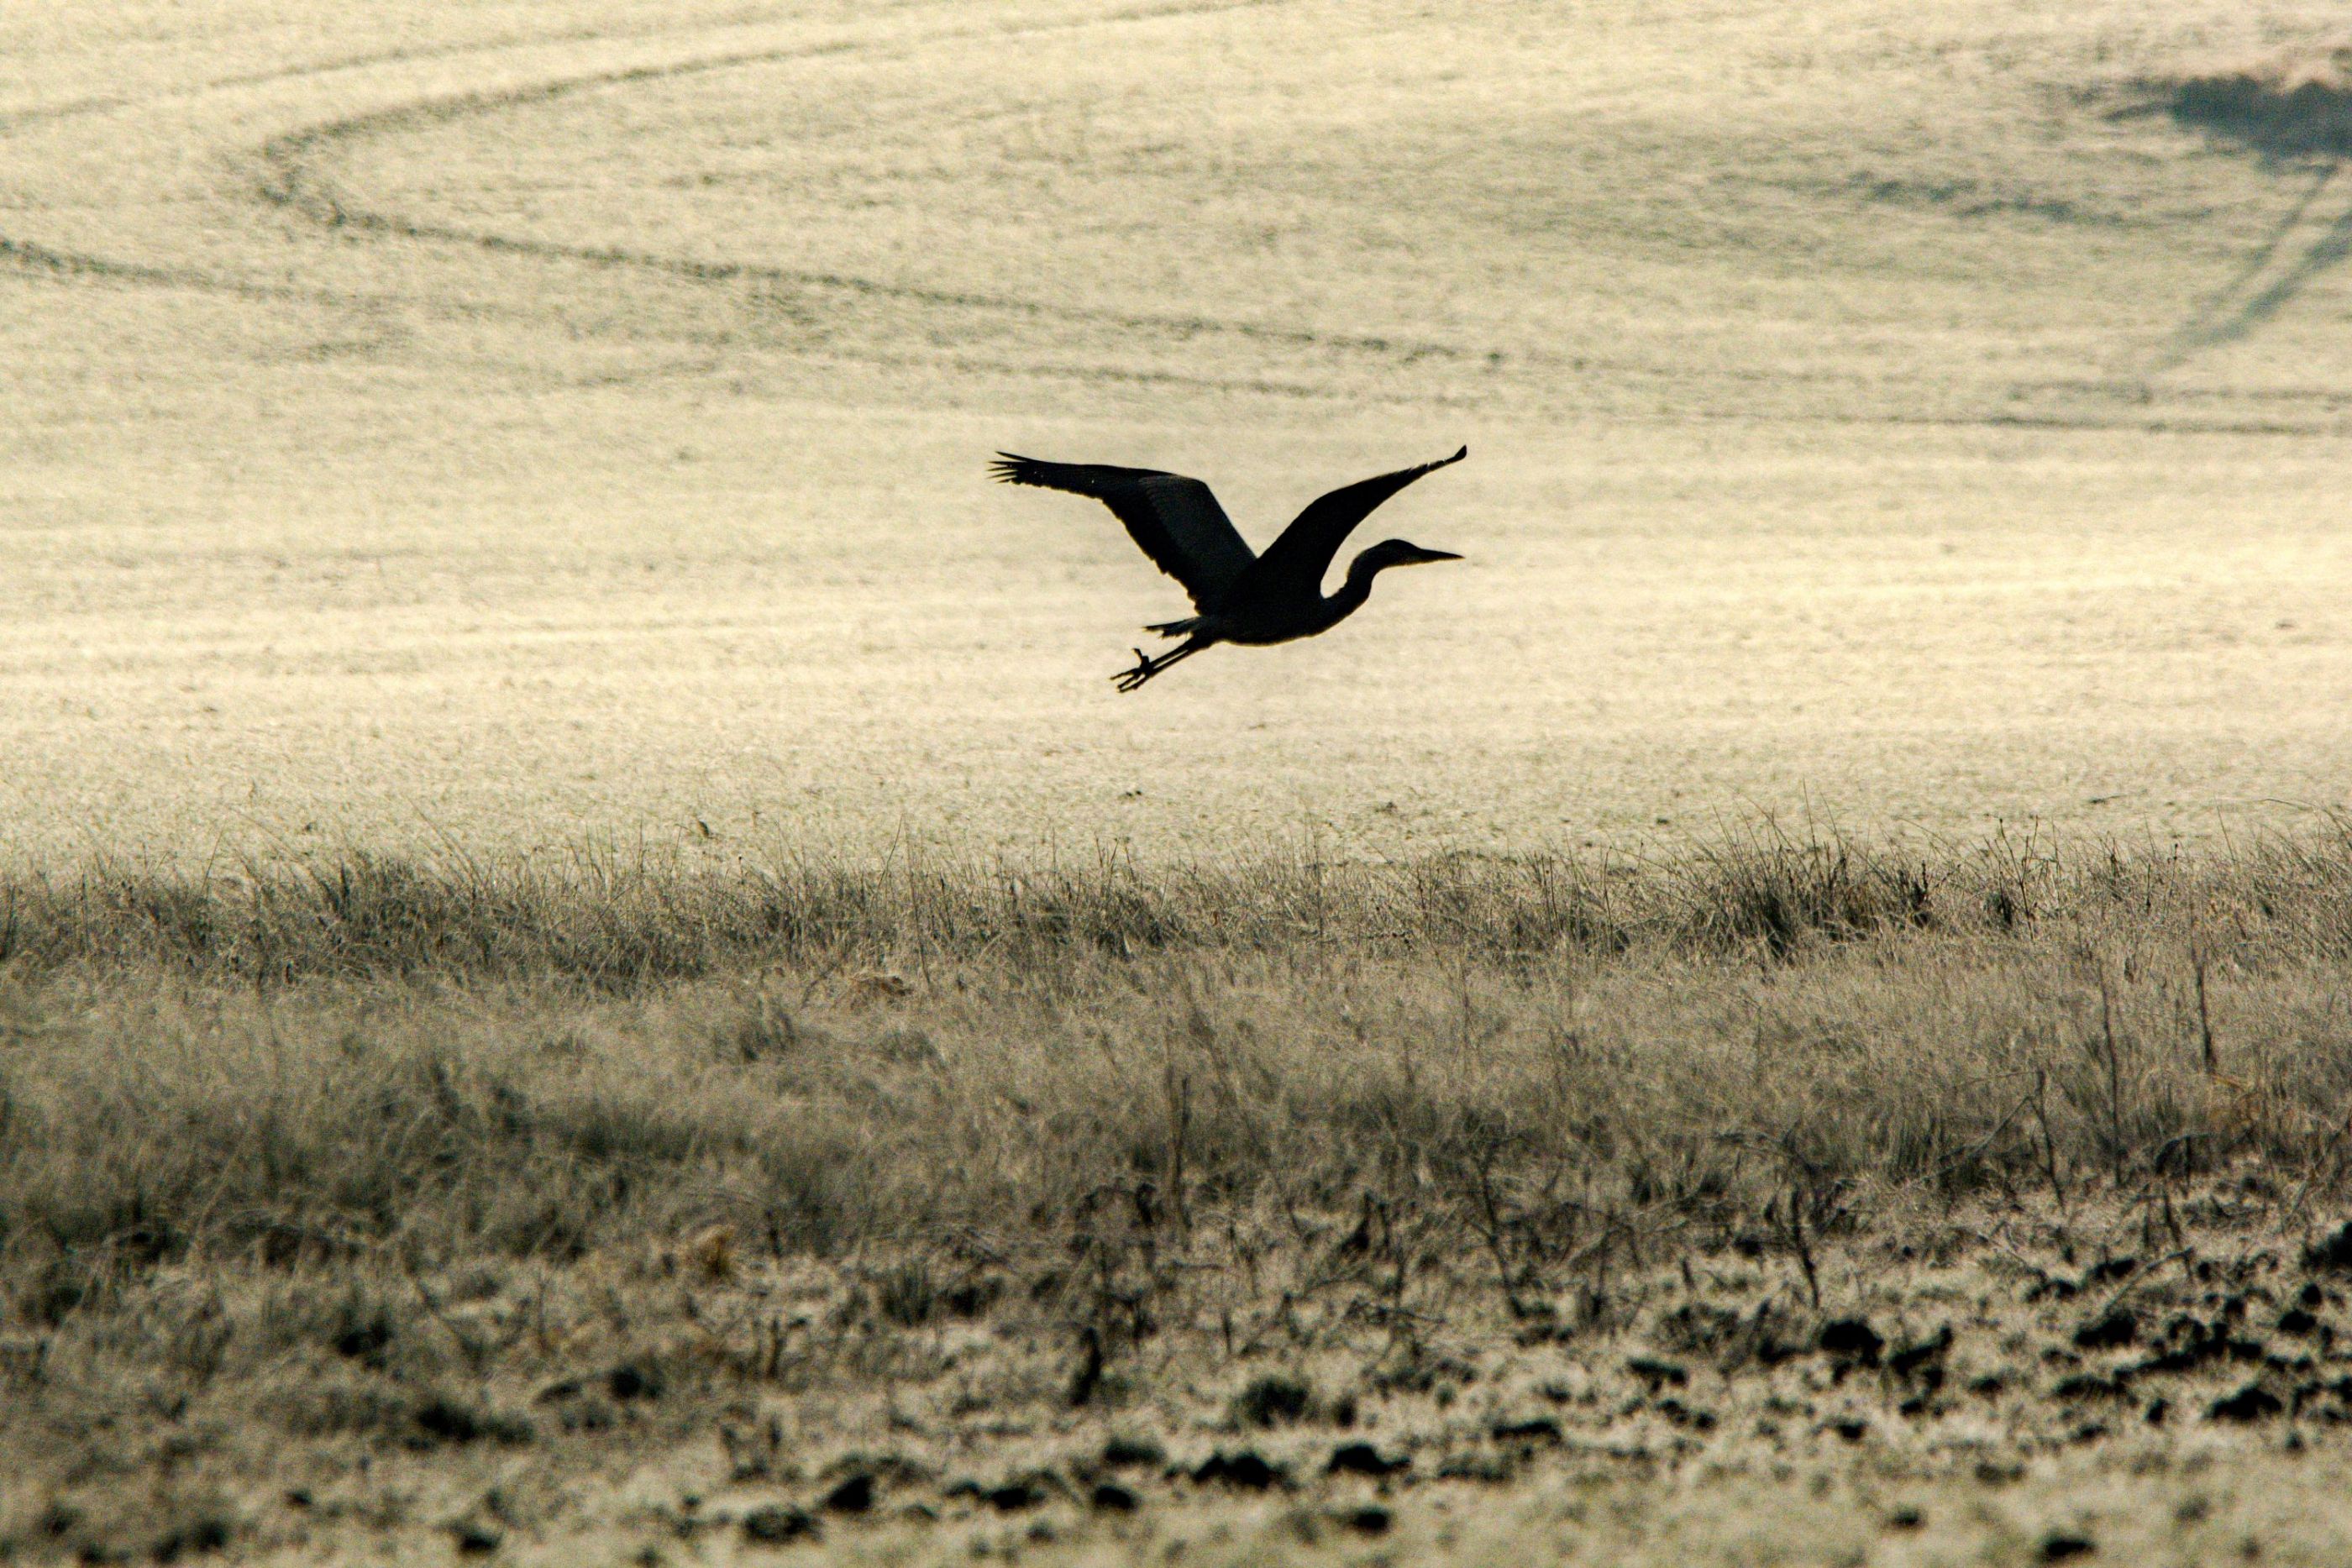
{"points": [[1242, 597]]}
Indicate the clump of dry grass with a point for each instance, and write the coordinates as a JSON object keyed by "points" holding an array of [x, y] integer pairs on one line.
{"points": [[2290, 103]]}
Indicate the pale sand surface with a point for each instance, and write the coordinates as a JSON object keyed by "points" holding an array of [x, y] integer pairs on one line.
{"points": [[406, 446]]}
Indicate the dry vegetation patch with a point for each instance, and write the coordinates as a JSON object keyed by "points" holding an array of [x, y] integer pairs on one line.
{"points": [[965, 1206], [2291, 103]]}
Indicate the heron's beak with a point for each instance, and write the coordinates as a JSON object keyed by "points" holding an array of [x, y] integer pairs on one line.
{"points": [[1425, 557]]}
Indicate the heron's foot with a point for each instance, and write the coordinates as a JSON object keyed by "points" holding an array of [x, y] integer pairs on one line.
{"points": [[1146, 666]]}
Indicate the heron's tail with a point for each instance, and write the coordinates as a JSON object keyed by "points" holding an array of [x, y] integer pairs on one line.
{"points": [[1176, 628]]}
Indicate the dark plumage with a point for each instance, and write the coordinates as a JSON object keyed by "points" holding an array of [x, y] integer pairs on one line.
{"points": [[1241, 598]]}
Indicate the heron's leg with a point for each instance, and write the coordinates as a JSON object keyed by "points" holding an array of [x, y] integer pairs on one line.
{"points": [[1147, 666]]}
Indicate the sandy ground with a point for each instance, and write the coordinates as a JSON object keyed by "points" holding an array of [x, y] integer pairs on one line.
{"points": [[512, 423]]}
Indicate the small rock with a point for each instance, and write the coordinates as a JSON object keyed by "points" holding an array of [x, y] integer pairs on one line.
{"points": [[1905, 1517], [1852, 1339], [1274, 1400], [202, 1536], [1109, 1497], [364, 1339], [1370, 1519], [853, 1495], [2116, 1326], [2334, 1254], [475, 1540], [1538, 1429], [629, 1382], [1245, 1469], [1121, 1453], [778, 1525], [1658, 1374], [1363, 1459], [2251, 1403], [2062, 1546], [441, 1419], [1012, 1497]]}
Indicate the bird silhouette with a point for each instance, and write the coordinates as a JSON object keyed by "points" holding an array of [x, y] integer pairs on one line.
{"points": [[1242, 597]]}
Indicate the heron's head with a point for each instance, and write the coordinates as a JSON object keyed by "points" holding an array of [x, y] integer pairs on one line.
{"points": [[1399, 552]]}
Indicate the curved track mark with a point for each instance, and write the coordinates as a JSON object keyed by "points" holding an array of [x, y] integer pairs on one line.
{"points": [[293, 179], [292, 182], [2231, 312]]}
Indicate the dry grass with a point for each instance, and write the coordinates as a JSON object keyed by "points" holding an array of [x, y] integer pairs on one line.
{"points": [[619, 919], [441, 1187]]}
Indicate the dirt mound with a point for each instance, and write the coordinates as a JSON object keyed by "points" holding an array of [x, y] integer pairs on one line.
{"points": [[2297, 102]]}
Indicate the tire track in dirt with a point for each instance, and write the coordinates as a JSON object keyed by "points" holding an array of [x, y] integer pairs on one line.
{"points": [[2272, 277], [290, 171], [39, 263], [293, 179], [292, 176], [290, 180], [297, 180], [13, 119], [296, 188]]}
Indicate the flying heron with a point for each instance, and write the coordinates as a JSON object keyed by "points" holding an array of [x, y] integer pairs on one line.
{"points": [[1241, 598]]}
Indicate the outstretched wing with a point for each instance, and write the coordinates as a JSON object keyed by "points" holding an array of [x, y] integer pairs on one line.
{"points": [[1295, 563], [1176, 520]]}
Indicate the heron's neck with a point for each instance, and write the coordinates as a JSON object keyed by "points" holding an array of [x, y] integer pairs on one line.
{"points": [[1356, 589]]}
